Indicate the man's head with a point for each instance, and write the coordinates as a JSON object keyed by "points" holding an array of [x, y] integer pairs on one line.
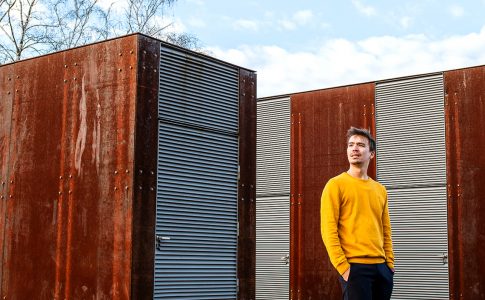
{"points": [[361, 146]]}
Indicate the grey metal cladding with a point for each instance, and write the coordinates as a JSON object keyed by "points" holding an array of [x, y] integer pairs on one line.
{"points": [[411, 132], [196, 214], [272, 244], [273, 147], [419, 230], [198, 91]]}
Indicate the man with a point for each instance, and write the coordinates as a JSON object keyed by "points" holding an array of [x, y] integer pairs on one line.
{"points": [[355, 224]]}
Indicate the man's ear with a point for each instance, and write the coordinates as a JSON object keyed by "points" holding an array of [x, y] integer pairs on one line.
{"points": [[372, 154]]}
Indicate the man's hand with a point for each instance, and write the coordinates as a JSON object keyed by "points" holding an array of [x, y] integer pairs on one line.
{"points": [[346, 274]]}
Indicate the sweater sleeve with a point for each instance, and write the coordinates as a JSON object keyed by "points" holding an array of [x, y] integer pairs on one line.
{"points": [[329, 217], [386, 223]]}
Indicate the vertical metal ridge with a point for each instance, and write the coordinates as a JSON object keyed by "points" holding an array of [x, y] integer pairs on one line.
{"points": [[411, 163]]}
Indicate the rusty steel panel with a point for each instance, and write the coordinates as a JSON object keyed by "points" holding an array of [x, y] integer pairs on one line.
{"points": [[6, 97], [145, 177], [465, 145], [246, 260], [68, 225], [319, 123]]}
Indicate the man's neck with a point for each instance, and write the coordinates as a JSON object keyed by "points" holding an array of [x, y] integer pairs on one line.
{"points": [[358, 172]]}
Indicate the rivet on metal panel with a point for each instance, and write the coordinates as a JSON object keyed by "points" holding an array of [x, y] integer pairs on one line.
{"points": [[144, 52], [60, 193], [140, 171], [119, 69], [115, 188], [127, 171], [75, 78], [65, 66], [154, 70], [140, 188], [60, 177], [242, 198], [152, 189], [144, 67], [126, 187], [10, 196], [16, 90], [8, 93], [65, 80], [151, 172], [116, 172], [3, 182], [131, 67], [120, 54], [70, 192], [75, 64], [18, 76], [1, 197], [9, 79], [131, 51], [70, 176], [11, 181], [242, 184]]}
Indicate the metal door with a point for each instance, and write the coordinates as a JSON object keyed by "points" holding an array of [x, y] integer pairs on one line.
{"points": [[273, 200], [411, 163], [196, 219]]}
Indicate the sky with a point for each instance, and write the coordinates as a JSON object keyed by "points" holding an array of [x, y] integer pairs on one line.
{"points": [[303, 45]]}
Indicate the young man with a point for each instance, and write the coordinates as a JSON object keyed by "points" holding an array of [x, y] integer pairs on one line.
{"points": [[355, 224]]}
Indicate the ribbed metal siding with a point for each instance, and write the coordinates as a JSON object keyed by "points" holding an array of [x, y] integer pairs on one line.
{"points": [[411, 163], [420, 242], [272, 245], [196, 218], [411, 132], [198, 92], [273, 147], [273, 200]]}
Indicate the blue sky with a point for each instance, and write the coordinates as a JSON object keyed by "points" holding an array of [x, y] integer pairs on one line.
{"points": [[303, 45]]}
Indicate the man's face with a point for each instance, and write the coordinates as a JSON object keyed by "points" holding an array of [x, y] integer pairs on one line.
{"points": [[358, 151]]}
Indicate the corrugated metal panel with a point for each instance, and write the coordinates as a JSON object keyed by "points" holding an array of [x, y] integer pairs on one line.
{"points": [[197, 186], [411, 163], [273, 147], [411, 132], [272, 247], [197, 211], [197, 91], [419, 227]]}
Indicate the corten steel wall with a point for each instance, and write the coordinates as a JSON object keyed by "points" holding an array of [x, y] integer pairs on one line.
{"points": [[69, 173], [465, 123], [246, 261], [320, 120], [78, 153]]}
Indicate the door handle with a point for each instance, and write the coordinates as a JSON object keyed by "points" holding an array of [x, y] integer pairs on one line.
{"points": [[159, 240]]}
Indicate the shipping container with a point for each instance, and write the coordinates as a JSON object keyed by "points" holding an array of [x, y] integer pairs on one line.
{"points": [[429, 132], [127, 171]]}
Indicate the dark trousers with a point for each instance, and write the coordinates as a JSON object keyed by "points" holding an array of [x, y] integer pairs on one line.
{"points": [[368, 282]]}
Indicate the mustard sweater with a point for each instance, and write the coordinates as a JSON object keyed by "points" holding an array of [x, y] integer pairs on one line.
{"points": [[355, 222]]}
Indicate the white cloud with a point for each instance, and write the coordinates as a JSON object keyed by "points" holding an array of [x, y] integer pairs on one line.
{"points": [[303, 16], [246, 24], [197, 23], [339, 61], [364, 9], [456, 11], [405, 22], [287, 25]]}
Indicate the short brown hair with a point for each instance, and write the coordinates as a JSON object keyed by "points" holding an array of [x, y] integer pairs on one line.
{"points": [[363, 132]]}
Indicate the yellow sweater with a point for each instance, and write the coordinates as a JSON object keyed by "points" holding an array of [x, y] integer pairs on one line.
{"points": [[355, 222]]}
